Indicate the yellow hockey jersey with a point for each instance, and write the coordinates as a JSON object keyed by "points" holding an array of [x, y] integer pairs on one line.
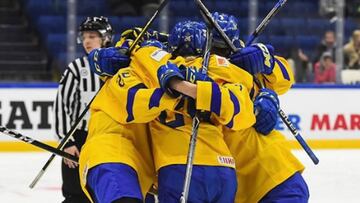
{"points": [[228, 100], [126, 99], [282, 77], [263, 162]]}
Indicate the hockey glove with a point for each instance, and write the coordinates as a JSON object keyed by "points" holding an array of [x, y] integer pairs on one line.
{"points": [[165, 74], [266, 106], [257, 58], [107, 61], [192, 75]]}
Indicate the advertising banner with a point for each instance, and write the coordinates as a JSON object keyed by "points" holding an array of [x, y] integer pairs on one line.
{"points": [[323, 113], [29, 111], [320, 113]]}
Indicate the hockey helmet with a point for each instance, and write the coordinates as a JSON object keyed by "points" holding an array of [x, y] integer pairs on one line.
{"points": [[229, 24], [101, 25], [188, 38]]}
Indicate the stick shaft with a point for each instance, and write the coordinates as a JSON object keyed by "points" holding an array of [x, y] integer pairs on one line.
{"points": [[148, 24], [298, 137], [196, 123], [62, 143], [73, 129], [37, 144], [301, 141], [215, 25], [190, 159], [265, 21]]}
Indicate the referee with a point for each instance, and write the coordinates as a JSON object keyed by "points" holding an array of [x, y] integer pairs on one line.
{"points": [[77, 87]]}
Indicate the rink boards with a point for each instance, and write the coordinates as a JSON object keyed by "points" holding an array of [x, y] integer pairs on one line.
{"points": [[327, 116]]}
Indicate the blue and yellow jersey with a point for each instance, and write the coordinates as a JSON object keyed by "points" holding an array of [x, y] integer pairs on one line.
{"points": [[126, 99], [227, 99], [111, 142], [282, 77], [263, 162], [133, 96]]}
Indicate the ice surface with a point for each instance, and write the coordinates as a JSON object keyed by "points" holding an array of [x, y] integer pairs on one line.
{"points": [[336, 179]]}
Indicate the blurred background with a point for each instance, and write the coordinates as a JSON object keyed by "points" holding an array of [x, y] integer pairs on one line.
{"points": [[38, 37]]}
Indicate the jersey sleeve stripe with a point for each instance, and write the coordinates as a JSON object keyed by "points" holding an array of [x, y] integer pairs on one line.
{"points": [[57, 118], [84, 81], [130, 101], [75, 69], [69, 95], [235, 102], [283, 69], [82, 62], [215, 99], [58, 106], [77, 103], [155, 98], [92, 78], [62, 106]]}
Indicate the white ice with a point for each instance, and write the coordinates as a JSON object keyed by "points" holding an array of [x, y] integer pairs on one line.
{"points": [[336, 179]]}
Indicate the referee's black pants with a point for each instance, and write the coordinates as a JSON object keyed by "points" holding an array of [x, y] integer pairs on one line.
{"points": [[71, 188]]}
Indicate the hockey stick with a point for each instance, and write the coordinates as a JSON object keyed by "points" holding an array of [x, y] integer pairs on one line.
{"points": [[37, 144], [62, 143], [266, 21], [73, 129], [195, 125], [282, 114], [148, 24]]}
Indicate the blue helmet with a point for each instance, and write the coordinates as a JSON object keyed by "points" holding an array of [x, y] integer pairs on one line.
{"points": [[229, 24], [188, 38]]}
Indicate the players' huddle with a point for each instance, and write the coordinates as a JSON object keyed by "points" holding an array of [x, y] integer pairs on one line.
{"points": [[141, 120]]}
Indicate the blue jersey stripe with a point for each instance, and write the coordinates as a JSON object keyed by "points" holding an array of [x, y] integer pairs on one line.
{"points": [[283, 69], [235, 102], [155, 98], [215, 99], [130, 101]]}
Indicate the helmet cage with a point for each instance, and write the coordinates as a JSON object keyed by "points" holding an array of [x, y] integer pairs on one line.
{"points": [[99, 24]]}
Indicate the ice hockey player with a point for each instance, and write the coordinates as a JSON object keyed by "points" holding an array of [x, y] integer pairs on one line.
{"points": [[116, 164], [212, 155], [267, 171]]}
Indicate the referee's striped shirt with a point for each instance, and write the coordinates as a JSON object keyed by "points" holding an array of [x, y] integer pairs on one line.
{"points": [[77, 87]]}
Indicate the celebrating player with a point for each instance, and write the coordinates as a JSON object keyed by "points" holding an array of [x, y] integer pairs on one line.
{"points": [[116, 163], [266, 169], [212, 156]]}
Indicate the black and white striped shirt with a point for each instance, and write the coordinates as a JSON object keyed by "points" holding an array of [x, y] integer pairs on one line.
{"points": [[77, 87]]}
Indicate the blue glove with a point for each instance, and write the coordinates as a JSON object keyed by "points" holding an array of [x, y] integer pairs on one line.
{"points": [[257, 58], [165, 74], [192, 75], [107, 61], [266, 106]]}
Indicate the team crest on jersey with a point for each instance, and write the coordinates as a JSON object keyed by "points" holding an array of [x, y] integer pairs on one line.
{"points": [[158, 55], [221, 61], [226, 160]]}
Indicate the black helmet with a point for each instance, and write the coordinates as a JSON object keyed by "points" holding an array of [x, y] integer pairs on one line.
{"points": [[101, 25]]}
